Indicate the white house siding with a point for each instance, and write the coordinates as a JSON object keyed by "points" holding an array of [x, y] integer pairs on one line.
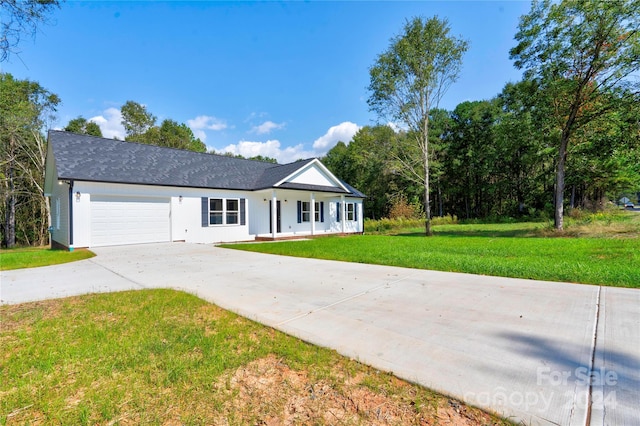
{"points": [[185, 214], [313, 176], [259, 214], [59, 198]]}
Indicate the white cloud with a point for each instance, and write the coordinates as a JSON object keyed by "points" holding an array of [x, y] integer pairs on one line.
{"points": [[342, 132], [267, 127], [110, 123], [205, 122], [273, 148], [397, 126], [270, 148]]}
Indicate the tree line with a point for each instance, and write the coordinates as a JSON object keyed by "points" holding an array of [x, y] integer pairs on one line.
{"points": [[573, 117], [494, 158]]}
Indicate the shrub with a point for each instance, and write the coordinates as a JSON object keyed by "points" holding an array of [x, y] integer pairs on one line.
{"points": [[402, 209]]}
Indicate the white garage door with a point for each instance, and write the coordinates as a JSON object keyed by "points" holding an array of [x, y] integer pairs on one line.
{"points": [[129, 220]]}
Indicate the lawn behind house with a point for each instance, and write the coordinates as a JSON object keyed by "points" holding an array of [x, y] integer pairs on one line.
{"points": [[603, 252], [167, 357]]}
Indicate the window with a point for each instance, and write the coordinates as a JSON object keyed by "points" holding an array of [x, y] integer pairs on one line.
{"points": [[224, 211], [351, 211], [317, 212], [306, 211], [233, 208], [215, 211]]}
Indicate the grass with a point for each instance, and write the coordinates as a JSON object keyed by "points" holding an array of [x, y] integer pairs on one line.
{"points": [[166, 357], [31, 257], [590, 251]]}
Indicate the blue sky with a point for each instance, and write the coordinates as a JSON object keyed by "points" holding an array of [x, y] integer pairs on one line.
{"points": [[281, 79]]}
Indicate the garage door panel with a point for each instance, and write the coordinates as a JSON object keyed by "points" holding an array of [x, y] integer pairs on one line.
{"points": [[129, 220]]}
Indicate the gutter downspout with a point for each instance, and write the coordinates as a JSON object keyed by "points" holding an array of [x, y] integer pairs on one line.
{"points": [[70, 215]]}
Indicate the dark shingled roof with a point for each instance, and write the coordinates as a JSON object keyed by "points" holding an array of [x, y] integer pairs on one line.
{"points": [[90, 158]]}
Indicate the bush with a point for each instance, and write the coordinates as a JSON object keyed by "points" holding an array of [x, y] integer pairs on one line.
{"points": [[402, 209]]}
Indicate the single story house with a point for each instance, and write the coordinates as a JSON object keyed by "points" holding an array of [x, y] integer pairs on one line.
{"points": [[110, 192]]}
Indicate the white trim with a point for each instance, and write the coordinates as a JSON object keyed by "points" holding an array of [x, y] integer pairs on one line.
{"points": [[323, 168], [224, 211]]}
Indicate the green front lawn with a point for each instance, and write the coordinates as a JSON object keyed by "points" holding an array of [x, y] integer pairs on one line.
{"points": [[32, 257], [508, 250], [167, 357]]}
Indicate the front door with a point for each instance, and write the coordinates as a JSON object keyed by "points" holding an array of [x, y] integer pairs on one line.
{"points": [[278, 217]]}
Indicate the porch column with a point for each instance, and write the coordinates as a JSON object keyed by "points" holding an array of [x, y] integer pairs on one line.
{"points": [[313, 214], [274, 219], [342, 213]]}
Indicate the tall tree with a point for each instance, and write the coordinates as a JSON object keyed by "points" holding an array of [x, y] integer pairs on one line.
{"points": [[171, 134], [18, 18], [578, 50], [84, 127], [409, 79], [25, 108], [136, 120]]}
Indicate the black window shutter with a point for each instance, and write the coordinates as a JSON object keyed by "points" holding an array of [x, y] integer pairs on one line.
{"points": [[205, 212], [355, 211], [299, 211], [270, 217], [321, 211], [243, 211], [338, 211]]}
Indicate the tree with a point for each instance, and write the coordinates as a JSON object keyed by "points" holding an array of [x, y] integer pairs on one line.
{"points": [[408, 80], [578, 51], [18, 18], [264, 159], [171, 134], [25, 108], [136, 120], [369, 164], [84, 127]]}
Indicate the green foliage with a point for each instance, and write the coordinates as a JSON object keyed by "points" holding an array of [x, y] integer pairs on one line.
{"points": [[398, 225], [255, 157], [34, 257], [402, 209], [170, 134], [25, 109], [82, 126], [136, 120], [580, 54], [140, 126], [263, 159], [367, 164], [407, 81]]}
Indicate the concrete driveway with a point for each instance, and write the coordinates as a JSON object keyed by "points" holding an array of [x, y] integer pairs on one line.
{"points": [[538, 352]]}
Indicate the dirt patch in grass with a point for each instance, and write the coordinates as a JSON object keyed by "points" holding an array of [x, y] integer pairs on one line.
{"points": [[268, 392]]}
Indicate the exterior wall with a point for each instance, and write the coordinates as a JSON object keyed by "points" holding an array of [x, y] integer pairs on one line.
{"points": [[59, 200], [312, 176], [259, 214], [186, 213]]}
